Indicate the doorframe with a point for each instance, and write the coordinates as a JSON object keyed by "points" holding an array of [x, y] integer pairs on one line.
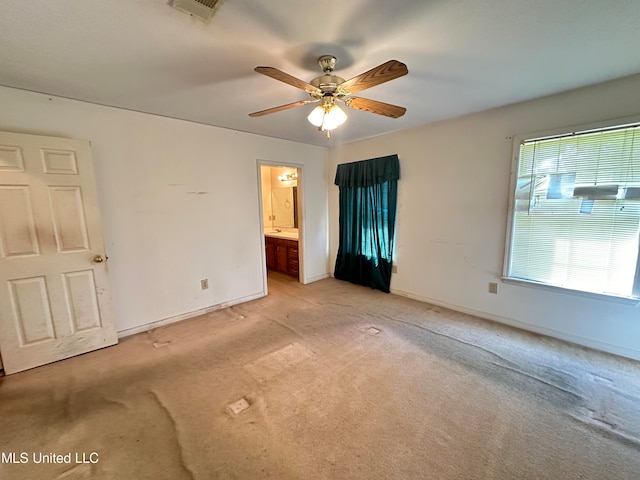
{"points": [[301, 219]]}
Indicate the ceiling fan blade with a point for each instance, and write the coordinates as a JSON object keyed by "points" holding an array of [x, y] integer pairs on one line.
{"points": [[373, 106], [380, 74], [286, 78], [281, 108]]}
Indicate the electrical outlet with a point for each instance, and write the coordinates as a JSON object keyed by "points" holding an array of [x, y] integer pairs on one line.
{"points": [[204, 283], [394, 269], [493, 287]]}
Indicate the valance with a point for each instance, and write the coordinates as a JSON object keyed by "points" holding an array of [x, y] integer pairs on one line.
{"points": [[366, 173]]}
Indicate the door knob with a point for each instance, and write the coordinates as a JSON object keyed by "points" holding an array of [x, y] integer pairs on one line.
{"points": [[98, 259]]}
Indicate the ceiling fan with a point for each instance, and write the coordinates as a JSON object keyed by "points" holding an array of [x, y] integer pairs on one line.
{"points": [[329, 88]]}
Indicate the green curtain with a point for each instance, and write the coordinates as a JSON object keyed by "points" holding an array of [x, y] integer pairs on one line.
{"points": [[368, 197]]}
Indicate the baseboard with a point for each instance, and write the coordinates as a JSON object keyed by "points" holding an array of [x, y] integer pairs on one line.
{"points": [[183, 316], [548, 332], [316, 278]]}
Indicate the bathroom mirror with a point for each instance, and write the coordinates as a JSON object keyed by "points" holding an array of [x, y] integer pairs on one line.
{"points": [[284, 207]]}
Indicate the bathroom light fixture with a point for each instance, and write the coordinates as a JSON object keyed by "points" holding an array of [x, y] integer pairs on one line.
{"points": [[287, 177], [327, 116]]}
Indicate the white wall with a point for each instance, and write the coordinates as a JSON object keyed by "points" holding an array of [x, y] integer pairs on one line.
{"points": [[179, 203], [452, 215]]}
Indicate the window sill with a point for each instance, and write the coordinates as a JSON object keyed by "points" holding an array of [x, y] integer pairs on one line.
{"points": [[568, 291]]}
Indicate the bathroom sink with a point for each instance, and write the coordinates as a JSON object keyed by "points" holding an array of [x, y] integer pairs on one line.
{"points": [[281, 234]]}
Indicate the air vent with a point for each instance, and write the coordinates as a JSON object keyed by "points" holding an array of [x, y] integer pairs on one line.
{"points": [[202, 9]]}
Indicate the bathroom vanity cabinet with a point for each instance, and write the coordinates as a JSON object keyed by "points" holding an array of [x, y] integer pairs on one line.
{"points": [[282, 255]]}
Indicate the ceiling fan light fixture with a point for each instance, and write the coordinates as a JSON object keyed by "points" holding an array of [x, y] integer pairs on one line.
{"points": [[334, 117], [316, 116], [327, 117]]}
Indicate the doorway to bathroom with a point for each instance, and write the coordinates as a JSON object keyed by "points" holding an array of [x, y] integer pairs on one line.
{"points": [[282, 221]]}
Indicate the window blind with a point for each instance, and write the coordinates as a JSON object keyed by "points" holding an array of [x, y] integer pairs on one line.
{"points": [[576, 211]]}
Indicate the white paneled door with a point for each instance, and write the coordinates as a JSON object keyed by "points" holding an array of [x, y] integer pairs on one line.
{"points": [[54, 292]]}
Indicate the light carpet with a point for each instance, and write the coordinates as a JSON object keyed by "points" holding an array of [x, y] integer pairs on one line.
{"points": [[327, 381]]}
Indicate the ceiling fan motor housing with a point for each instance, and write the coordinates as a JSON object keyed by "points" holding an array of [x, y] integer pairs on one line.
{"points": [[327, 83]]}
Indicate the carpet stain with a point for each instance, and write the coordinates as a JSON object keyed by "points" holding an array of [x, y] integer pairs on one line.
{"points": [[541, 380], [591, 399], [589, 418], [273, 364]]}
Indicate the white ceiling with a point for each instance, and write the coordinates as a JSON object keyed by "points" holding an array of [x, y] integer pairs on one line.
{"points": [[463, 55]]}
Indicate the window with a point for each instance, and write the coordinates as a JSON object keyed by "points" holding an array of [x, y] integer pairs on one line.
{"points": [[575, 213], [368, 198]]}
